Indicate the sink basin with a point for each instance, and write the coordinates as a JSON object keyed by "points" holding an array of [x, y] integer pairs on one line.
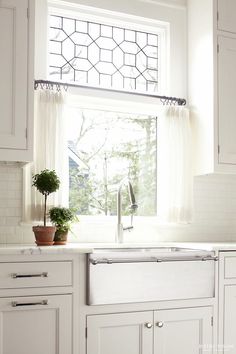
{"points": [[149, 274]]}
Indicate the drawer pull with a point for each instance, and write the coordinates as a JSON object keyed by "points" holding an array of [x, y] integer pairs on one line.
{"points": [[38, 275], [17, 304]]}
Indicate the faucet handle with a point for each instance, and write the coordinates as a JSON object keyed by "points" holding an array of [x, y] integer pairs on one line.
{"points": [[128, 228], [133, 207]]}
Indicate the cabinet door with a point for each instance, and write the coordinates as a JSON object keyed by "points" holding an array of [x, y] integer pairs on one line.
{"points": [[127, 333], [36, 325], [227, 98], [183, 331], [229, 338], [227, 15], [13, 73]]}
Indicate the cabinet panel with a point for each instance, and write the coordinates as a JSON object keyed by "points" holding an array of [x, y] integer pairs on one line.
{"points": [[34, 326], [230, 267], [183, 331], [227, 107], [227, 15], [229, 339], [13, 73], [126, 333]]}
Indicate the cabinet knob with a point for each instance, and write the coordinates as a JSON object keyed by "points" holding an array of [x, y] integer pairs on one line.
{"points": [[148, 325], [160, 324]]}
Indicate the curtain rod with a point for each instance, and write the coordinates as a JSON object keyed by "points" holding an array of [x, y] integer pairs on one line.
{"points": [[46, 84]]}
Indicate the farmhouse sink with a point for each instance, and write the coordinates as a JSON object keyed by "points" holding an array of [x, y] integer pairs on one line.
{"points": [[149, 274]]}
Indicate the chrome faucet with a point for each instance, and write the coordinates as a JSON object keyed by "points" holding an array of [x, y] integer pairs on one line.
{"points": [[133, 207]]}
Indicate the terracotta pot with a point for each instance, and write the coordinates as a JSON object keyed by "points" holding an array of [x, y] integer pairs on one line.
{"points": [[44, 235], [60, 238]]}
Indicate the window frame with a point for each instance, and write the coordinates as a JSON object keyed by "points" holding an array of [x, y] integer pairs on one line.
{"points": [[121, 101]]}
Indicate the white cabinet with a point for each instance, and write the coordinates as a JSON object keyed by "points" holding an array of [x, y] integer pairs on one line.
{"points": [[38, 310], [160, 332], [227, 15], [126, 333], [229, 339], [36, 325], [16, 84], [227, 303], [212, 74], [227, 96], [183, 331]]}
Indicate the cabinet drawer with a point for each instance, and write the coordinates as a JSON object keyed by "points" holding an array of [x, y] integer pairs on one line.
{"points": [[230, 267], [35, 274]]}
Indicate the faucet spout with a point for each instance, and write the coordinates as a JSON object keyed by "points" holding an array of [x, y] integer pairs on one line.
{"points": [[133, 207]]}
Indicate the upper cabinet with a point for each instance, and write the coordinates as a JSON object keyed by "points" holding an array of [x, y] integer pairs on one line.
{"points": [[227, 15], [226, 99], [212, 84], [16, 84]]}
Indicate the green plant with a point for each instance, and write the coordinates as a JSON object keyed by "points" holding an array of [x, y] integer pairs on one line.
{"points": [[62, 218], [46, 182]]}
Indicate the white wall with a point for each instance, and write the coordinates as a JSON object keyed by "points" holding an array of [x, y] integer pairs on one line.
{"points": [[11, 205]]}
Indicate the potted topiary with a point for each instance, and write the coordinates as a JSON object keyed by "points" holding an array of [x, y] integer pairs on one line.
{"points": [[46, 182], [62, 219]]}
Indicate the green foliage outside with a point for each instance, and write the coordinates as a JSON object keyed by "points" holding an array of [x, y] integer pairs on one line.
{"points": [[107, 160]]}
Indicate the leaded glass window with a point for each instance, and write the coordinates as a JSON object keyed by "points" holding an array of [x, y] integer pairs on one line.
{"points": [[101, 55]]}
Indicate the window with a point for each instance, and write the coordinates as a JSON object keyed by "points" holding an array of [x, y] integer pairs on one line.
{"points": [[105, 145], [105, 55]]}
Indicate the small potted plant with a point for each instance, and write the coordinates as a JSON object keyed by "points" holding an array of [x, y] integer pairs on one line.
{"points": [[62, 219], [46, 182]]}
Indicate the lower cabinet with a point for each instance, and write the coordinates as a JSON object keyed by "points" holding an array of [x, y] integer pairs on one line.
{"points": [[36, 325], [227, 303], [183, 331], [171, 331], [126, 333], [229, 339]]}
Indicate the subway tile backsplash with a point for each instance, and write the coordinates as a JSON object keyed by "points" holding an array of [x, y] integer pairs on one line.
{"points": [[214, 214]]}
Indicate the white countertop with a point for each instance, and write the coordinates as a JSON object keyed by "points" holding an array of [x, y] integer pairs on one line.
{"points": [[73, 248], [19, 249]]}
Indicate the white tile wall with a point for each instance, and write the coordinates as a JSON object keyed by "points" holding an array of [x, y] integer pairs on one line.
{"points": [[10, 205], [214, 216]]}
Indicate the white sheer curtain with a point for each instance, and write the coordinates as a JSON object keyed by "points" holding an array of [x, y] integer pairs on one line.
{"points": [[175, 179], [50, 151]]}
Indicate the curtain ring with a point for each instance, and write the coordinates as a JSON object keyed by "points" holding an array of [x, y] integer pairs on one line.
{"points": [[163, 101]]}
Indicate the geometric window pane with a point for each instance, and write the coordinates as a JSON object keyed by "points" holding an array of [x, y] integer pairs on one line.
{"points": [[100, 55]]}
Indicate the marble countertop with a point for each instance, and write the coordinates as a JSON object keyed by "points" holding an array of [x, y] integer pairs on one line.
{"points": [[73, 248], [31, 249]]}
